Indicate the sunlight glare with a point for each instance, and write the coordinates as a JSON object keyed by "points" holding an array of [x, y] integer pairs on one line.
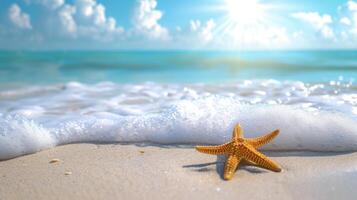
{"points": [[245, 11]]}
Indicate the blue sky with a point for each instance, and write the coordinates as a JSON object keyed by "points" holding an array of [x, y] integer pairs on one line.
{"points": [[184, 24]]}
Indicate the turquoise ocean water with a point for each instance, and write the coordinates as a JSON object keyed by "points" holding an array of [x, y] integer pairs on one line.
{"points": [[175, 66]]}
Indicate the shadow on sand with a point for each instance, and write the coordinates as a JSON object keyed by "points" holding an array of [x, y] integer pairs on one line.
{"points": [[204, 167], [253, 168]]}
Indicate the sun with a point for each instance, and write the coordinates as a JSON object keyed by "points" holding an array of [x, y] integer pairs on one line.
{"points": [[245, 11], [244, 24]]}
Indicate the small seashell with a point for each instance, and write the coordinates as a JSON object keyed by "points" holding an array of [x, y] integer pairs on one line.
{"points": [[67, 173], [55, 160], [141, 151]]}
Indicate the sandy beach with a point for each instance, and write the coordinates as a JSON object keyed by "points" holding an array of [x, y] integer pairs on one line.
{"points": [[117, 171], [108, 99]]}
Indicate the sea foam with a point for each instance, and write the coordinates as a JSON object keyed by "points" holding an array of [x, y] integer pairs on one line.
{"points": [[310, 117]]}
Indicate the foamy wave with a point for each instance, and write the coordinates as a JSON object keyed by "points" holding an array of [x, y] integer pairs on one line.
{"points": [[19, 136], [177, 114], [186, 122]]}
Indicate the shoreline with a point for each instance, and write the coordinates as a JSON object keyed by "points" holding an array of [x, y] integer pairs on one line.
{"points": [[112, 171]]}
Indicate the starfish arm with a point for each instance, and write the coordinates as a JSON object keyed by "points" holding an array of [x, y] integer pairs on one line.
{"points": [[237, 132], [247, 162], [260, 141], [251, 154], [214, 150], [231, 166]]}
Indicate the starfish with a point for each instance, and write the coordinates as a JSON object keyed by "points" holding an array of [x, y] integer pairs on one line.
{"points": [[239, 149]]}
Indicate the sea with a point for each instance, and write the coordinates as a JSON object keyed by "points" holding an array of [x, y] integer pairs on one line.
{"points": [[51, 98]]}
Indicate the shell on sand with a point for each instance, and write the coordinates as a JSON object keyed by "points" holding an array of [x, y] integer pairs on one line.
{"points": [[55, 160], [67, 173]]}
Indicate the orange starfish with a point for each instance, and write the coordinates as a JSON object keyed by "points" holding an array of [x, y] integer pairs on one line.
{"points": [[242, 148]]}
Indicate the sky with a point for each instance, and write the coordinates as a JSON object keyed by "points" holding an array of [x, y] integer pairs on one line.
{"points": [[180, 24]]}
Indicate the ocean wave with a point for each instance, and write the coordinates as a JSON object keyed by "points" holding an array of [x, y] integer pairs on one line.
{"points": [[310, 117]]}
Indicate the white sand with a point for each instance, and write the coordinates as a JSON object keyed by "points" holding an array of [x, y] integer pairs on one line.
{"points": [[89, 171]]}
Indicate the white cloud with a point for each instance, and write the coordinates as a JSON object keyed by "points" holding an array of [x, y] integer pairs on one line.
{"points": [[146, 19], [85, 7], [195, 25], [91, 17], [85, 18], [345, 21], [66, 19], [204, 32], [209, 34], [52, 4], [352, 6], [327, 32], [349, 11], [19, 18], [320, 22]]}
